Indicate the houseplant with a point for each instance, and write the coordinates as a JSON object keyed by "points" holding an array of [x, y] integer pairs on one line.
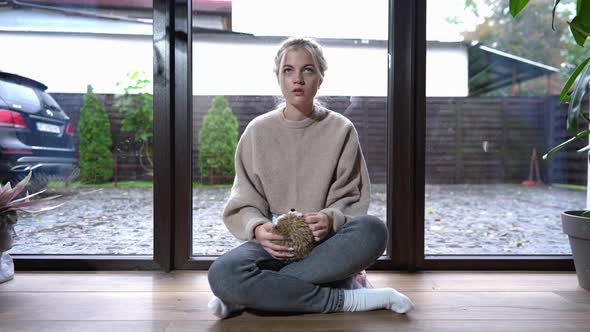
{"points": [[576, 224], [10, 203]]}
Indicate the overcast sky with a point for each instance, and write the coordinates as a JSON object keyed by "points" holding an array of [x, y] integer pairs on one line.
{"points": [[342, 19]]}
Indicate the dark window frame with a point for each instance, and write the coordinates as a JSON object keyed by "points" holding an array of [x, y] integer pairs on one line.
{"points": [[449, 262], [172, 151], [172, 88]]}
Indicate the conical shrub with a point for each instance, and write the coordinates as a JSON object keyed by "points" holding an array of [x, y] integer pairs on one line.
{"points": [[218, 139], [94, 130]]}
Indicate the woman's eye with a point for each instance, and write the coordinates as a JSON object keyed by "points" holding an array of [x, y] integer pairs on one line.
{"points": [[309, 70], [286, 70]]}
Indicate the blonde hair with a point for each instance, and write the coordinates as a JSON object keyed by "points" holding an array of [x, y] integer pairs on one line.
{"points": [[309, 44]]}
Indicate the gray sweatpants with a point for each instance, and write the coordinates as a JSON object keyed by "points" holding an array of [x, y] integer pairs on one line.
{"points": [[249, 276]]}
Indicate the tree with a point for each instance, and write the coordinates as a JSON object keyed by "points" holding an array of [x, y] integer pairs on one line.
{"points": [[96, 158], [137, 105], [528, 36], [218, 138]]}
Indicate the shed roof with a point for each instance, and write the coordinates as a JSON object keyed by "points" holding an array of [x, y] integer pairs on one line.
{"points": [[490, 69]]}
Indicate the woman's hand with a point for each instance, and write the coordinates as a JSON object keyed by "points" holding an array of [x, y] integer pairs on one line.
{"points": [[263, 234], [319, 223]]}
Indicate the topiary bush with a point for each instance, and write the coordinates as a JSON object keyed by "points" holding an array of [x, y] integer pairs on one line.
{"points": [[218, 139], [94, 130]]}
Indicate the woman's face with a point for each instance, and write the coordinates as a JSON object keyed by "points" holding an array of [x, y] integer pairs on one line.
{"points": [[299, 77]]}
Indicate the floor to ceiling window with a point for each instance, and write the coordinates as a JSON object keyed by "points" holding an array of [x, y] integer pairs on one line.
{"points": [[76, 106], [492, 84], [233, 67], [79, 95]]}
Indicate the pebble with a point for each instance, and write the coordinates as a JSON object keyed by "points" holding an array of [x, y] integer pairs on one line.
{"points": [[461, 219]]}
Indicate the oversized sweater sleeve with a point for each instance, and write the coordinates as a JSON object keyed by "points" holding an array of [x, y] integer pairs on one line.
{"points": [[349, 193], [247, 206]]}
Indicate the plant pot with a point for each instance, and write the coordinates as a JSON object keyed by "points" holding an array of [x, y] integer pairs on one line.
{"points": [[578, 230], [7, 235]]}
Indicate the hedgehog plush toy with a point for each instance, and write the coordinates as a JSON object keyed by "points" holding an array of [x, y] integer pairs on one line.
{"points": [[292, 225]]}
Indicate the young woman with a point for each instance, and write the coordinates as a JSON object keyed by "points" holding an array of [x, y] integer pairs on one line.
{"points": [[306, 157]]}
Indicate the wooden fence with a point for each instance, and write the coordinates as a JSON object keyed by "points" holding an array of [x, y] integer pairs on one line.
{"points": [[468, 140]]}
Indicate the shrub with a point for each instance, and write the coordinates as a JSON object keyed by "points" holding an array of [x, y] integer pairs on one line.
{"points": [[96, 158], [218, 139], [137, 105]]}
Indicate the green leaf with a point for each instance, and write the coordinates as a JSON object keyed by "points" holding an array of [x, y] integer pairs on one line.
{"points": [[583, 9], [560, 146], [553, 14], [571, 81], [580, 25], [516, 6], [579, 30], [471, 5], [575, 106]]}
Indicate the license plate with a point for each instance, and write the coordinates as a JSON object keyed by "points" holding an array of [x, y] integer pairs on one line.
{"points": [[48, 128]]}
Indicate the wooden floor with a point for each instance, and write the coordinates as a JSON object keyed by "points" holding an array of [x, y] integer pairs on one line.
{"points": [[155, 301]]}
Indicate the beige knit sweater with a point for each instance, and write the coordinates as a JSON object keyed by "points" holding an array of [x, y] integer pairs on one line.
{"points": [[311, 165]]}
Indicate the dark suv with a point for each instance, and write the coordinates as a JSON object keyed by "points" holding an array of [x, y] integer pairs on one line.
{"points": [[35, 133]]}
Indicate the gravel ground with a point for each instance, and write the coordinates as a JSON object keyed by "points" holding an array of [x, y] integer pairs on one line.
{"points": [[460, 219]]}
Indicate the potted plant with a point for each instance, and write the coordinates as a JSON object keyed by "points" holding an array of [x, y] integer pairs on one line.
{"points": [[576, 224], [10, 203]]}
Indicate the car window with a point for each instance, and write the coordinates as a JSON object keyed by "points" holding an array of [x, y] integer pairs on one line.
{"points": [[48, 100], [15, 94]]}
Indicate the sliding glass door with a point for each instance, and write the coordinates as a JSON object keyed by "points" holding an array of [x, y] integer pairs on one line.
{"points": [[131, 111], [76, 94]]}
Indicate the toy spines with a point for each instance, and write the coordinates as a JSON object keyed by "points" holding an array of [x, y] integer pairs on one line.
{"points": [[292, 225]]}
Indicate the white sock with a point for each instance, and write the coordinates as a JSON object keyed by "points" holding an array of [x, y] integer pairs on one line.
{"points": [[366, 299], [221, 309]]}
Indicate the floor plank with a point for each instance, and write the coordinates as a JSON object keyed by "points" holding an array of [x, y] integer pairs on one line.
{"points": [[177, 301], [197, 281], [86, 326], [370, 325], [359, 325], [109, 281]]}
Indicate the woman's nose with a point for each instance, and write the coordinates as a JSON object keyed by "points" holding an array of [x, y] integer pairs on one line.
{"points": [[299, 79]]}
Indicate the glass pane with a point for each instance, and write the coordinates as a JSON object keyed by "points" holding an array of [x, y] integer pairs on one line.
{"points": [[238, 67], [91, 148], [19, 96], [492, 112]]}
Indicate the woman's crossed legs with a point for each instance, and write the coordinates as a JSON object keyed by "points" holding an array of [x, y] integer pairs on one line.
{"points": [[248, 276]]}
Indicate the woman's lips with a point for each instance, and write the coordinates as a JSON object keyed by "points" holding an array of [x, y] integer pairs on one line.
{"points": [[298, 92]]}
